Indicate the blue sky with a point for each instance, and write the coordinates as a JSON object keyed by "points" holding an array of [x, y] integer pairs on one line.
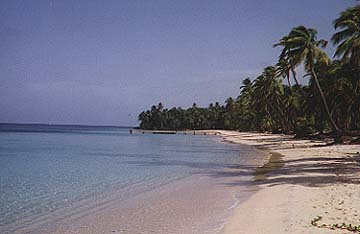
{"points": [[103, 62]]}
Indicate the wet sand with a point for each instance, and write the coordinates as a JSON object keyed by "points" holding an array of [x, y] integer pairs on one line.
{"points": [[197, 204], [289, 183], [200, 204]]}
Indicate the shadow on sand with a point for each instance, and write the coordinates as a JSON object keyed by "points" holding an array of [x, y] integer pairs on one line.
{"points": [[314, 171]]}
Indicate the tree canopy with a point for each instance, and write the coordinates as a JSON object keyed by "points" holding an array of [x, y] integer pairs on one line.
{"points": [[329, 102]]}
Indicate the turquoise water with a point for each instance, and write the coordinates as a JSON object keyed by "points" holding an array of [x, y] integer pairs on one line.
{"points": [[47, 169]]}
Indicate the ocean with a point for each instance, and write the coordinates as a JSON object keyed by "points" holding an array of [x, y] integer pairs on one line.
{"points": [[53, 173]]}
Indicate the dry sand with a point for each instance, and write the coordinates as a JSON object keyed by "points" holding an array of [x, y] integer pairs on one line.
{"points": [[307, 181]]}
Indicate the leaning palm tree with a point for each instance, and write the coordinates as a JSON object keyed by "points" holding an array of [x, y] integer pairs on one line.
{"points": [[304, 47], [283, 68], [286, 62], [246, 89], [269, 91], [348, 39]]}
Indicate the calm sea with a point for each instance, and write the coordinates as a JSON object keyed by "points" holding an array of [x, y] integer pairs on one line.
{"points": [[51, 170]]}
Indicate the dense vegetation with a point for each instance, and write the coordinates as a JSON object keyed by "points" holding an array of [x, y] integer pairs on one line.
{"points": [[330, 102]]}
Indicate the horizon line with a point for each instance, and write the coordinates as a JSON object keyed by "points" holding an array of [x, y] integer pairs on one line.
{"points": [[67, 124]]}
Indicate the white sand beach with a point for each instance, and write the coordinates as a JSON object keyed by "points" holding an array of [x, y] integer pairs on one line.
{"points": [[311, 180], [302, 180]]}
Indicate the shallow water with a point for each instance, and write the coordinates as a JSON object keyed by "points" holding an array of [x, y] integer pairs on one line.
{"points": [[51, 172]]}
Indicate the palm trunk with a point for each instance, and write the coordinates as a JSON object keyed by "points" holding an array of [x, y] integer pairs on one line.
{"points": [[337, 129], [296, 81], [288, 112], [281, 121], [294, 75], [290, 119], [288, 79]]}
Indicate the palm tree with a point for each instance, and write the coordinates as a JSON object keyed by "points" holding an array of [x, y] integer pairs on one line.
{"points": [[268, 93], [348, 39], [283, 68], [303, 46], [286, 62], [246, 88], [244, 113], [345, 90]]}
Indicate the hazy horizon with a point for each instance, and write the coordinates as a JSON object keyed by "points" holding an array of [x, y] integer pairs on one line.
{"points": [[102, 63], [66, 124]]}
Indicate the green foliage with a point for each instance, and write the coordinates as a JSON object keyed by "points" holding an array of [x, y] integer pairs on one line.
{"points": [[348, 38], [329, 102], [266, 104], [343, 226]]}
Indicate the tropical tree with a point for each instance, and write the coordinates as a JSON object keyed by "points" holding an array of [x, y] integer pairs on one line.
{"points": [[286, 62], [269, 91], [304, 47], [283, 68], [348, 38], [244, 113], [267, 104], [344, 89]]}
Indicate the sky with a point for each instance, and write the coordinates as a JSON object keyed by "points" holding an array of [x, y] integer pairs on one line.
{"points": [[103, 62]]}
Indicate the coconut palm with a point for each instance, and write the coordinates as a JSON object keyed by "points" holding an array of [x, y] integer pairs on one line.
{"points": [[268, 95], [286, 62], [304, 47], [345, 92], [244, 113], [348, 39], [246, 90], [283, 68]]}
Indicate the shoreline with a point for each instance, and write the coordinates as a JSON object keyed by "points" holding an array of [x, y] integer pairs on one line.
{"points": [[201, 203], [307, 179], [287, 183], [195, 204]]}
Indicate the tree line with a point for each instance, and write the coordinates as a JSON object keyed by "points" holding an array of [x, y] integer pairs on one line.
{"points": [[328, 103]]}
